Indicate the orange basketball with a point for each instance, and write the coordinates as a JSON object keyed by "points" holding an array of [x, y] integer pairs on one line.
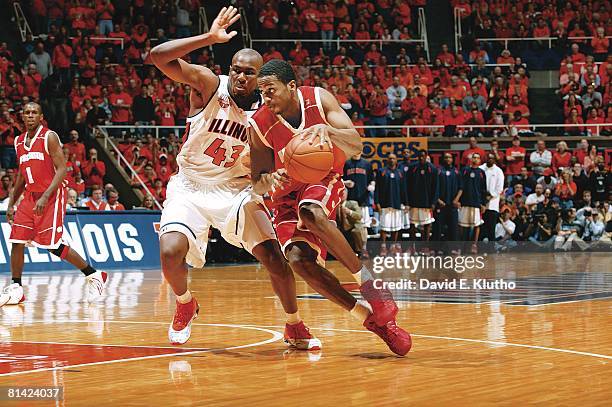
{"points": [[307, 163]]}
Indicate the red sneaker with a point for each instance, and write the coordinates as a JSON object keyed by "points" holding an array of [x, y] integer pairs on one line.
{"points": [[384, 308], [180, 330], [398, 340], [299, 337]]}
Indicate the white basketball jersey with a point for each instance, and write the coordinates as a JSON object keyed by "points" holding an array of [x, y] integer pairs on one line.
{"points": [[216, 148]]}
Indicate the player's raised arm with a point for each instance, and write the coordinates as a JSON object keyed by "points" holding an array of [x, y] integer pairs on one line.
{"points": [[263, 176], [54, 147], [167, 56], [341, 130]]}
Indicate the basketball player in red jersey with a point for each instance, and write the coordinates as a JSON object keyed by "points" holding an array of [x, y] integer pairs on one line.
{"points": [[304, 213], [39, 219], [212, 186]]}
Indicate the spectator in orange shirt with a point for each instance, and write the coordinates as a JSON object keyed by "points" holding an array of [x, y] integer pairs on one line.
{"points": [[62, 54], [379, 104], [268, 19], [77, 148], [326, 18], [93, 170], [453, 117], [105, 11], [456, 90], [31, 82], [576, 55], [120, 103], [95, 201], [600, 45], [505, 58], [466, 156], [515, 104], [541, 30], [311, 19], [594, 118], [272, 54], [516, 87], [112, 201], [447, 58]]}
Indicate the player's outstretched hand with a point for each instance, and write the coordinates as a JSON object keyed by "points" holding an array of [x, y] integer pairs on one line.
{"points": [[10, 214], [40, 205], [318, 134], [227, 16]]}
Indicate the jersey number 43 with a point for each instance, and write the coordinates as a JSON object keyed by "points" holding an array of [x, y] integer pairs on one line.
{"points": [[219, 154]]}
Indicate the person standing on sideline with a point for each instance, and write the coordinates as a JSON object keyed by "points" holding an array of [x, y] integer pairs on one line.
{"points": [[422, 194], [359, 181], [495, 188], [472, 197], [389, 197], [446, 211], [39, 218]]}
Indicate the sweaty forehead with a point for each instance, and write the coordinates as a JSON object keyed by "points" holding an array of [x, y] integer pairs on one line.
{"points": [[247, 61]]}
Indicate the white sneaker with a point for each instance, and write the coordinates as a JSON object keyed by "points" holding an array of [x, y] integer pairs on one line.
{"points": [[96, 283], [180, 329], [11, 295]]}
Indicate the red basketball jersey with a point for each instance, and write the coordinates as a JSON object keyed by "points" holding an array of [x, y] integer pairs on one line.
{"points": [[35, 163], [275, 132]]}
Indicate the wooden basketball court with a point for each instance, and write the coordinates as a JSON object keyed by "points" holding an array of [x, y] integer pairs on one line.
{"points": [[550, 342]]}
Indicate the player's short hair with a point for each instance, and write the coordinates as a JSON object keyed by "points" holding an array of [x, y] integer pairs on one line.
{"points": [[279, 68], [38, 106]]}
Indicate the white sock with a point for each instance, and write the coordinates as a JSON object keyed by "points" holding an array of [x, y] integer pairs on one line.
{"points": [[184, 298], [361, 310], [293, 319]]}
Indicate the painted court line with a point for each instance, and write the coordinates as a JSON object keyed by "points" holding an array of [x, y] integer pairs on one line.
{"points": [[275, 337], [278, 335], [450, 338]]}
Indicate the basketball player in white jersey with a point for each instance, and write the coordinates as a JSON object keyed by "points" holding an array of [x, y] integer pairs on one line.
{"points": [[212, 187]]}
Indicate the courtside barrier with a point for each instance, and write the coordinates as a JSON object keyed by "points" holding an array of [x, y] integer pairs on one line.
{"points": [[108, 240]]}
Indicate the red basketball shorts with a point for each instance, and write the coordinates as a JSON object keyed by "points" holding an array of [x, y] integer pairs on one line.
{"points": [[327, 194], [43, 231]]}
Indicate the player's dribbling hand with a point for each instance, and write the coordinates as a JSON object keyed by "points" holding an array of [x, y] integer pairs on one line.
{"points": [[318, 133], [278, 179], [227, 16], [40, 205]]}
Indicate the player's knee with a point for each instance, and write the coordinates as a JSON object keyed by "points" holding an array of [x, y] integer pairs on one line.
{"points": [[301, 260], [312, 216], [269, 254], [172, 251]]}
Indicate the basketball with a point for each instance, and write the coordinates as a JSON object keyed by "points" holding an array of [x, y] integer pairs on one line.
{"points": [[307, 163]]}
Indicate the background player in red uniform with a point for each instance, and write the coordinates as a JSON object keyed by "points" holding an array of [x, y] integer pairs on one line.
{"points": [[304, 213], [39, 219]]}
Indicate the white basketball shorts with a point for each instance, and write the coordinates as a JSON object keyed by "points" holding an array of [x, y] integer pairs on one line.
{"points": [[231, 207]]}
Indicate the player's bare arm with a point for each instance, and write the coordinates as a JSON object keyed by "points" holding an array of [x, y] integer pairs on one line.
{"points": [[167, 56], [14, 195], [340, 131], [263, 176], [59, 162]]}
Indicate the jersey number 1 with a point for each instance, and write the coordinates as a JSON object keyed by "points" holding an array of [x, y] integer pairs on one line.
{"points": [[29, 175], [217, 153]]}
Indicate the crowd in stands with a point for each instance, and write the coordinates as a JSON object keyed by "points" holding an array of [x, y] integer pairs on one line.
{"points": [[568, 22], [86, 69], [585, 88], [554, 199]]}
